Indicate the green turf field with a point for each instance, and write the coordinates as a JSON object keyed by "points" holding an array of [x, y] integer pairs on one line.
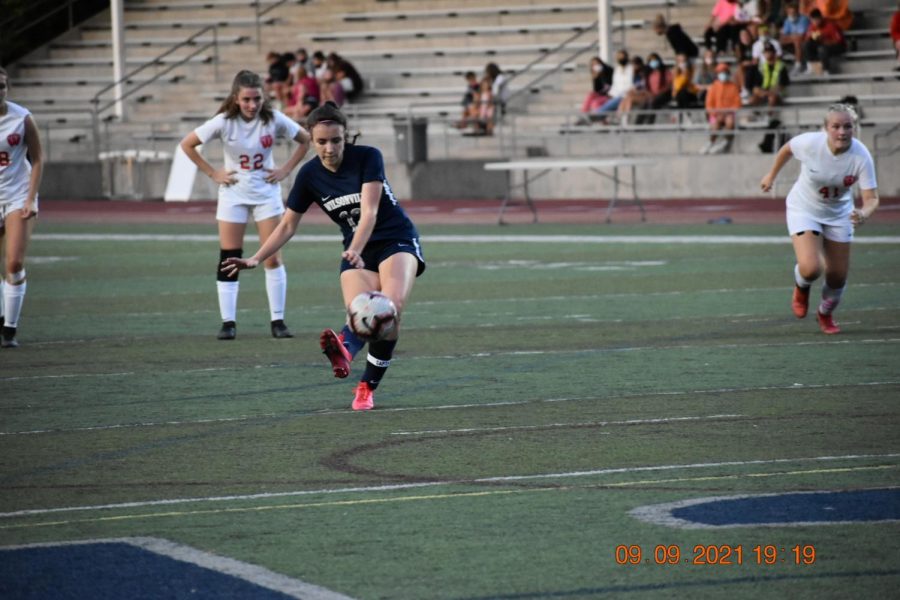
{"points": [[540, 392]]}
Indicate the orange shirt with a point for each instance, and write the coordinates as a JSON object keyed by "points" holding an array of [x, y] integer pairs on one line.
{"points": [[837, 11], [723, 94]]}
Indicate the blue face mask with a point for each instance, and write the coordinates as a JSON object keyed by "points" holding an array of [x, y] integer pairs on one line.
{"points": [[654, 64], [723, 76]]}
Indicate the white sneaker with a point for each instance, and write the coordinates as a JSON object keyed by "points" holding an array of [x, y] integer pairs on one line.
{"points": [[719, 147], [707, 147], [797, 69]]}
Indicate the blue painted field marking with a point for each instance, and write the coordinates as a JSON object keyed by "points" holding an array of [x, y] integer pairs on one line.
{"points": [[777, 510], [140, 568]]}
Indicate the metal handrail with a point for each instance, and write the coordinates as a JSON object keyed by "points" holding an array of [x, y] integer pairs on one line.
{"points": [[43, 17], [98, 109]]}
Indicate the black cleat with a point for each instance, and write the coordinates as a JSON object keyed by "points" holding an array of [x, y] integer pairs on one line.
{"points": [[228, 331], [8, 337], [280, 330]]}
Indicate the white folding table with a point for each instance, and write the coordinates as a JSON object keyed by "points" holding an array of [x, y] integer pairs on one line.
{"points": [[545, 165]]}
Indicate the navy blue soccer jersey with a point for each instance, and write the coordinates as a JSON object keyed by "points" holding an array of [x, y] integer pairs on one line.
{"points": [[339, 194]]}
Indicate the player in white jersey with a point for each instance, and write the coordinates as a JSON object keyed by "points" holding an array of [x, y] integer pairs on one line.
{"points": [[21, 167], [248, 185], [821, 215]]}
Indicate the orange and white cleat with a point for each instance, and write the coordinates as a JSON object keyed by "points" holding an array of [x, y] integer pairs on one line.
{"points": [[364, 399], [337, 354], [827, 324], [800, 301]]}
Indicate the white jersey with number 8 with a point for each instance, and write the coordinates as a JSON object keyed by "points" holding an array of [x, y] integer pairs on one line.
{"points": [[15, 170], [824, 190], [248, 152]]}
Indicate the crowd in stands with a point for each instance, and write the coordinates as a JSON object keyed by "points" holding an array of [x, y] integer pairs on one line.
{"points": [[751, 49], [299, 82]]}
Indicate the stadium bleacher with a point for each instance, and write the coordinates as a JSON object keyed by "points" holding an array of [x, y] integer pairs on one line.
{"points": [[412, 55]]}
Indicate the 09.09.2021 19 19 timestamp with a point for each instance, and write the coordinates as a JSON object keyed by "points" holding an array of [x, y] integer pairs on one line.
{"points": [[715, 554]]}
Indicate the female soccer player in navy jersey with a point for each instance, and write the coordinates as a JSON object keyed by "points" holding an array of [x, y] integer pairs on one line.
{"points": [[21, 166], [820, 212], [381, 244], [248, 185]]}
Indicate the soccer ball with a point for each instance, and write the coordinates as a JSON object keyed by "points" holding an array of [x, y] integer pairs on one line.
{"points": [[372, 315]]}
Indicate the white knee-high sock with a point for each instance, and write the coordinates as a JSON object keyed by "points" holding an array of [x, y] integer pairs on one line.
{"points": [[276, 289], [830, 299], [800, 279], [13, 297], [228, 295]]}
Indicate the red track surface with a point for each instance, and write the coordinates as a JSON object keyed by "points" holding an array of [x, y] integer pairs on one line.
{"points": [[474, 212]]}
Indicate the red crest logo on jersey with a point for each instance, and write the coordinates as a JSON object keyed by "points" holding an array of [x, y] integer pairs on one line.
{"points": [[14, 139], [849, 180], [266, 141]]}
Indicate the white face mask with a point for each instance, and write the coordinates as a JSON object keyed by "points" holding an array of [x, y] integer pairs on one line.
{"points": [[723, 76], [596, 68]]}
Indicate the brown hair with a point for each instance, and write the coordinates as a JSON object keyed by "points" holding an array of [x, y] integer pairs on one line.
{"points": [[327, 112], [245, 79]]}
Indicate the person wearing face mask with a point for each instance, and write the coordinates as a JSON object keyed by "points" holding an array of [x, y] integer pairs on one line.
{"points": [[705, 75], [601, 81], [723, 99], [821, 215], [683, 87], [793, 30], [622, 83], [655, 92]]}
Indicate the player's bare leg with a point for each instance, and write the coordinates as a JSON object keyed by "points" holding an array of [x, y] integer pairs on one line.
{"points": [[16, 238], [808, 250], [837, 266]]}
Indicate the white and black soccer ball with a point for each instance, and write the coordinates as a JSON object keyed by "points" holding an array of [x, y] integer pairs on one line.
{"points": [[372, 315]]}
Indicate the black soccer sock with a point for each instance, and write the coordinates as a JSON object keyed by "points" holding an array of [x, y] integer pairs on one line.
{"points": [[378, 361]]}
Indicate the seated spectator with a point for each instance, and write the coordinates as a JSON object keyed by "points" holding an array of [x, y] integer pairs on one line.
{"points": [[722, 102], [837, 11], [638, 92], [895, 34], [622, 83], [493, 100], [470, 102], [793, 30], [772, 79], [601, 81], [824, 40], [680, 41], [684, 89], [723, 26], [761, 42], [304, 96], [303, 60], [747, 69], [705, 75], [319, 66], [278, 82], [346, 76]]}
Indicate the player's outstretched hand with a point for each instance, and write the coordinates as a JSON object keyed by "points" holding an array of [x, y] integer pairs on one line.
{"points": [[767, 182], [230, 266], [354, 259]]}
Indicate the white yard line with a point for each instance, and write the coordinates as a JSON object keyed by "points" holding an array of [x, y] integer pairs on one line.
{"points": [[407, 486], [467, 239], [566, 425]]}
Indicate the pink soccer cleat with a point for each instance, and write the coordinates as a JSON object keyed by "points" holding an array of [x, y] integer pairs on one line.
{"points": [[827, 324], [364, 399], [333, 347], [800, 301]]}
